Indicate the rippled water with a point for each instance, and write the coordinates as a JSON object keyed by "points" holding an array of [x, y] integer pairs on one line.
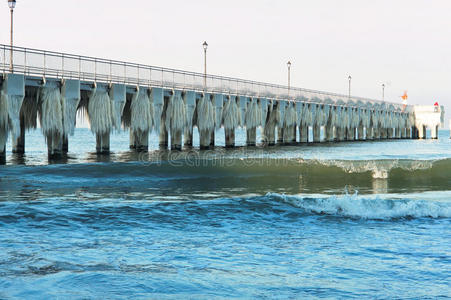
{"points": [[348, 220]]}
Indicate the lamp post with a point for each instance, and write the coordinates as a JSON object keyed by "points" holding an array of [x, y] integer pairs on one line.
{"points": [[12, 5], [205, 45], [383, 91], [289, 71], [349, 93]]}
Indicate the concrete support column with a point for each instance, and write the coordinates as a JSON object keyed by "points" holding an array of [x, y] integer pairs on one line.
{"points": [[360, 136], [293, 140], [212, 139], [421, 132], [176, 140], [132, 140], [350, 134], [434, 132], [54, 145], [341, 134], [383, 133], [102, 143], [403, 132], [65, 144], [280, 135], [163, 137], [251, 136], [316, 133], [329, 133], [229, 138], [270, 134], [3, 155], [141, 141], [188, 137], [204, 140], [390, 133], [414, 132], [18, 145], [303, 133]]}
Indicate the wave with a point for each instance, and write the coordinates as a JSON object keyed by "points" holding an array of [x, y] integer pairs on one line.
{"points": [[364, 207], [243, 175]]}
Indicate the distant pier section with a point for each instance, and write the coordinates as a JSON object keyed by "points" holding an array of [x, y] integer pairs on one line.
{"points": [[52, 88]]}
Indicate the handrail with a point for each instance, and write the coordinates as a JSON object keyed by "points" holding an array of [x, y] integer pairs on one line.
{"points": [[155, 76]]}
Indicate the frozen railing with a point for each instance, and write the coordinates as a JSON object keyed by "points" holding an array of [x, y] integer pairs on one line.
{"points": [[42, 63]]}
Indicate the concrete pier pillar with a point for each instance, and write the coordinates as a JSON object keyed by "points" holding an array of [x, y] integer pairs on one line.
{"points": [[188, 137], [229, 138], [141, 141], [163, 137], [303, 133], [3, 155], [293, 140], [204, 139], [421, 132], [54, 145], [341, 134], [102, 143], [390, 133], [190, 101], [360, 136], [176, 140], [403, 132], [18, 145], [316, 133], [270, 134], [383, 133], [132, 140], [212, 139], [251, 136], [329, 133], [280, 135], [434, 132], [65, 145], [350, 134]]}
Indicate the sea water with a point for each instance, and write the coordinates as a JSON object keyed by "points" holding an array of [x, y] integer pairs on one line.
{"points": [[335, 220]]}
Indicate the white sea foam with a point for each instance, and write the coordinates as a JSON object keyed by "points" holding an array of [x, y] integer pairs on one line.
{"points": [[380, 169], [367, 207]]}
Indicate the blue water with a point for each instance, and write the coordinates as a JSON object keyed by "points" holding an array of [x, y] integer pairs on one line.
{"points": [[349, 220]]}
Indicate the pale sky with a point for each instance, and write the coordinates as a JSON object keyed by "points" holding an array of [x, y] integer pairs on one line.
{"points": [[402, 43]]}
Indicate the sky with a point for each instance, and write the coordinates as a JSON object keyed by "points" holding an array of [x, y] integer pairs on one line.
{"points": [[402, 44]]}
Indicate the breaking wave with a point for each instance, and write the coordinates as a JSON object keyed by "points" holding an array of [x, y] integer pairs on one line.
{"points": [[355, 206]]}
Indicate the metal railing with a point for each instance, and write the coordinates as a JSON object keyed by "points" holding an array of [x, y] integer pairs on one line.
{"points": [[42, 63]]}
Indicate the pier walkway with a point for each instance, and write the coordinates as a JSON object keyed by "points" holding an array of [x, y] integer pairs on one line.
{"points": [[52, 87]]}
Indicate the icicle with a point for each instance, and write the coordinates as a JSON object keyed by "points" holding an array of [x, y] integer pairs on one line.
{"points": [[99, 112], [252, 116], [50, 112], [141, 112], [190, 104], [3, 119], [14, 105], [69, 107], [290, 116], [176, 113], [205, 114], [263, 108], [230, 114]]}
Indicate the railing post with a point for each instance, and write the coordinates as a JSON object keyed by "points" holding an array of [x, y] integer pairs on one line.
{"points": [[111, 71], [25, 62], [79, 68], [44, 62], [125, 72], [62, 66]]}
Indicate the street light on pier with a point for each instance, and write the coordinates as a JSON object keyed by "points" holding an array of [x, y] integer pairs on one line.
{"points": [[383, 91], [349, 93], [289, 71], [12, 5], [205, 45]]}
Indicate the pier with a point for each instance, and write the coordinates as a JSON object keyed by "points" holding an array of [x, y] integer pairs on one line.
{"points": [[52, 88]]}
